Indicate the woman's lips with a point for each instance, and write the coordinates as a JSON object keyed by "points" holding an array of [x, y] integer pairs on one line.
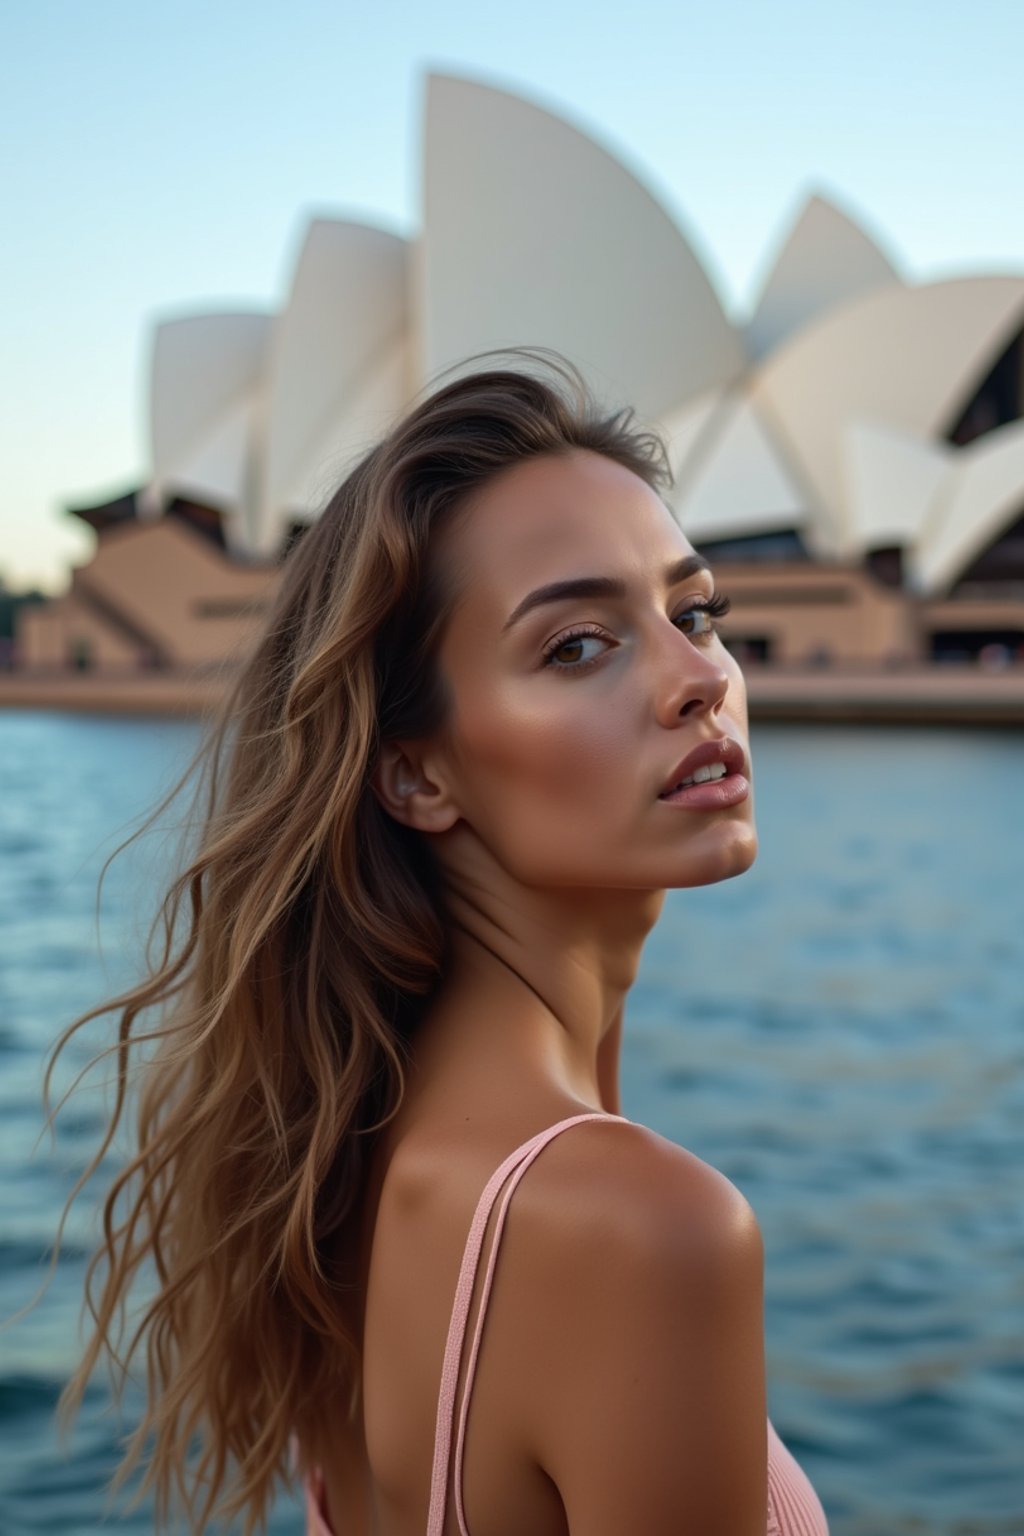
{"points": [[721, 752], [713, 795]]}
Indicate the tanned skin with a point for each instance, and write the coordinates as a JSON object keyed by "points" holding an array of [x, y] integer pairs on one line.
{"points": [[620, 1386]]}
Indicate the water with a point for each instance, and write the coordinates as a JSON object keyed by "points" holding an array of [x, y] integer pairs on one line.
{"points": [[841, 1031]]}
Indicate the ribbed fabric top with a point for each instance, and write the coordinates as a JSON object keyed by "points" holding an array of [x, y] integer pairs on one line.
{"points": [[793, 1506]]}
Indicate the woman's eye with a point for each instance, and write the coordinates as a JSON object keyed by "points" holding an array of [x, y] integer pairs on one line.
{"points": [[575, 650], [699, 619], [695, 621]]}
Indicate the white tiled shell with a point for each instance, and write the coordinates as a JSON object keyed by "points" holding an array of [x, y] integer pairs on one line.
{"points": [[337, 371], [825, 260], [534, 234], [904, 356], [206, 376], [984, 492]]}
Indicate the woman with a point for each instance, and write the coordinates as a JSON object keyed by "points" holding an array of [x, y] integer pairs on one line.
{"points": [[488, 723]]}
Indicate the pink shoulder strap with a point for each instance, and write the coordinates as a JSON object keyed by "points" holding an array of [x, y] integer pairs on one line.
{"points": [[523, 1156]]}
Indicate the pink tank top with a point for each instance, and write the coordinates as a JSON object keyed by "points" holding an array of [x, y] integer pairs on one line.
{"points": [[793, 1506]]}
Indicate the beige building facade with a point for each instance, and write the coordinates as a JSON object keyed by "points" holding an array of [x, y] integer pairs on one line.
{"points": [[157, 595]]}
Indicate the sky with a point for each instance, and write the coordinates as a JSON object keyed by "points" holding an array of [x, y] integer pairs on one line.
{"points": [[163, 159]]}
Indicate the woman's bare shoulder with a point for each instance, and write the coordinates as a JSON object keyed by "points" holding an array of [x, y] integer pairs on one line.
{"points": [[625, 1187], [642, 1316]]}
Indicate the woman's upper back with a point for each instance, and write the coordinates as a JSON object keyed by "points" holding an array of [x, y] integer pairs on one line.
{"points": [[618, 1383]]}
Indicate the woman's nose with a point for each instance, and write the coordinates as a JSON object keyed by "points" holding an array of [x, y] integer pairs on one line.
{"points": [[692, 678]]}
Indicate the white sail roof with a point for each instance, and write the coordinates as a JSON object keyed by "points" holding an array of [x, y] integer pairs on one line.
{"points": [[734, 482], [684, 429], [535, 235], [825, 260], [892, 480], [345, 316], [984, 493], [205, 377], [905, 356]]}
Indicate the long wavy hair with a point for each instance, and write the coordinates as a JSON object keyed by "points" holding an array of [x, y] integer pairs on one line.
{"points": [[288, 965]]}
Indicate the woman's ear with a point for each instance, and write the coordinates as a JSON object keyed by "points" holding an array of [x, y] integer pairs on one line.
{"points": [[411, 791]]}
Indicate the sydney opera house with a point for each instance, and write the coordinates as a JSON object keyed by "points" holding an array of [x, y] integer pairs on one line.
{"points": [[851, 457]]}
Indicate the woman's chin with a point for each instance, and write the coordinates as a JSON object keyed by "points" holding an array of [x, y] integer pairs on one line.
{"points": [[722, 858]]}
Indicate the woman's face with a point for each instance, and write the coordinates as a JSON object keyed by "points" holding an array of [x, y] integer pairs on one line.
{"points": [[582, 673]]}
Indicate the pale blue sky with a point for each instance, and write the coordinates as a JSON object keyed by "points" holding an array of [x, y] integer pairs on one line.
{"points": [[165, 158]]}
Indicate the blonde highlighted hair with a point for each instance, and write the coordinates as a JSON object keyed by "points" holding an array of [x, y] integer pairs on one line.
{"points": [[289, 964]]}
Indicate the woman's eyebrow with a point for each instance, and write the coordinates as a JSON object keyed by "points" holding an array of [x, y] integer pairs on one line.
{"points": [[597, 586]]}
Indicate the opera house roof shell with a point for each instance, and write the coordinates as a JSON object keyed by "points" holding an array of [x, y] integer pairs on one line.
{"points": [[836, 413]]}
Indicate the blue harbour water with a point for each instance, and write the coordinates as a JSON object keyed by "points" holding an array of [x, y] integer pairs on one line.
{"points": [[840, 1031]]}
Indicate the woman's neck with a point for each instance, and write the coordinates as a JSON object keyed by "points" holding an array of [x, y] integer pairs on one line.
{"points": [[533, 998]]}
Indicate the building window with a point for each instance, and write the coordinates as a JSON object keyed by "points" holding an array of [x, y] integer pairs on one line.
{"points": [[998, 399], [749, 650], [1002, 562], [207, 520], [886, 565], [767, 547], [80, 654], [949, 645]]}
